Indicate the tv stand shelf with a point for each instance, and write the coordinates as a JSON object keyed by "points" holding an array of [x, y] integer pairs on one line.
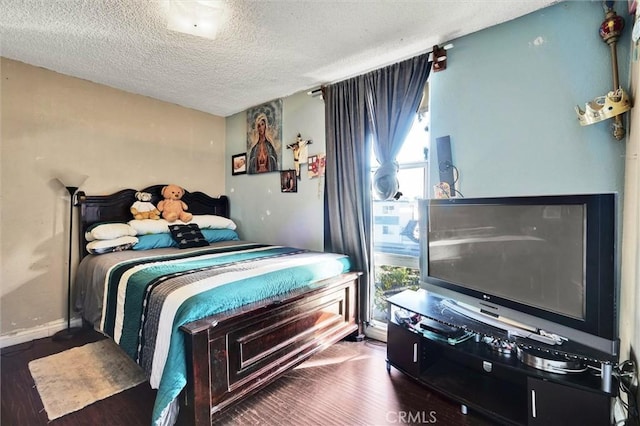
{"points": [[429, 305], [494, 383]]}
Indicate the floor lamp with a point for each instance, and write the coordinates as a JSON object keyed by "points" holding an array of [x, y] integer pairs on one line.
{"points": [[72, 182]]}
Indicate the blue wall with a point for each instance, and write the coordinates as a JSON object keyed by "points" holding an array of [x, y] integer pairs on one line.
{"points": [[507, 101], [262, 212]]}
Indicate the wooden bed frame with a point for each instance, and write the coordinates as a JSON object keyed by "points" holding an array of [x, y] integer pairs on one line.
{"points": [[233, 354]]}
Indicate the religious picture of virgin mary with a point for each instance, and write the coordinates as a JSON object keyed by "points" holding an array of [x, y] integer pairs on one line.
{"points": [[264, 133]]}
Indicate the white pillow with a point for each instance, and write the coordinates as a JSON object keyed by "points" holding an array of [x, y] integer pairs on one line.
{"points": [[149, 226], [210, 221], [109, 231], [108, 246], [161, 226]]}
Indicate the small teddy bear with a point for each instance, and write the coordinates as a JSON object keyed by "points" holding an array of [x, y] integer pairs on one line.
{"points": [[172, 207], [143, 208]]}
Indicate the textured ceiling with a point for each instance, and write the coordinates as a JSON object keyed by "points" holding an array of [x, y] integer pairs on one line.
{"points": [[264, 50]]}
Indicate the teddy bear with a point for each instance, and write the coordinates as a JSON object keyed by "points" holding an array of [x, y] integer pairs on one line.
{"points": [[172, 207], [143, 208]]}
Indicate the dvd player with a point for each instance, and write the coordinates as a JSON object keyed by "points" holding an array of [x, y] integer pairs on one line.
{"points": [[440, 328]]}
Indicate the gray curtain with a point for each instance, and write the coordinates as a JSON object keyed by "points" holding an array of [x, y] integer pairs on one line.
{"points": [[378, 105], [347, 175], [393, 97]]}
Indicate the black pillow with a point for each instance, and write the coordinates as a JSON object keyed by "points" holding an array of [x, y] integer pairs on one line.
{"points": [[188, 236]]}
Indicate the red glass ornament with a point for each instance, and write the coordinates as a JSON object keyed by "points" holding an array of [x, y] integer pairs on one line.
{"points": [[611, 27]]}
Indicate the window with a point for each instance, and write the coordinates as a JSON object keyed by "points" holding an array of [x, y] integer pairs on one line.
{"points": [[395, 239]]}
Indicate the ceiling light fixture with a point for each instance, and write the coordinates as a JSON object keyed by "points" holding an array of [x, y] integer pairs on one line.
{"points": [[200, 18]]}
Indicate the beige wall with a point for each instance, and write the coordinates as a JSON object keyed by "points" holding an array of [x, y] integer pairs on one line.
{"points": [[52, 122]]}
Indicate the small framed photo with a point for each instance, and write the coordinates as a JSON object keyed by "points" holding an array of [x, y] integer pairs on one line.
{"points": [[316, 165], [312, 170], [239, 164], [288, 181]]}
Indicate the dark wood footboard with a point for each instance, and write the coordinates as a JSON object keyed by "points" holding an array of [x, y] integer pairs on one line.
{"points": [[236, 353]]}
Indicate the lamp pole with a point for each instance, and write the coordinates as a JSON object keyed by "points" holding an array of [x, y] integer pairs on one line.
{"points": [[69, 332]]}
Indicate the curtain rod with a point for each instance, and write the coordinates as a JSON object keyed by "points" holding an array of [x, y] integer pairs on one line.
{"points": [[318, 90]]}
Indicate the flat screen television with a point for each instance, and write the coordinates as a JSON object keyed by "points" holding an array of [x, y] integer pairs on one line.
{"points": [[547, 262]]}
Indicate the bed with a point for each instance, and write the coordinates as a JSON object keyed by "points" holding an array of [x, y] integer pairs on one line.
{"points": [[209, 323]]}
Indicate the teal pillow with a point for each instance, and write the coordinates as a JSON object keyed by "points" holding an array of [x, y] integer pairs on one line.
{"points": [[152, 241], [163, 240], [215, 235]]}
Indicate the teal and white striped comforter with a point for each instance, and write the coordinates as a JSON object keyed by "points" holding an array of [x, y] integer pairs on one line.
{"points": [[147, 299]]}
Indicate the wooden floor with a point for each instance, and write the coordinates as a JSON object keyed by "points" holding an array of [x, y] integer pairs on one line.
{"points": [[347, 384]]}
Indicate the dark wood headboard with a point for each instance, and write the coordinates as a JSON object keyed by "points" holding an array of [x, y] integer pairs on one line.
{"points": [[115, 207]]}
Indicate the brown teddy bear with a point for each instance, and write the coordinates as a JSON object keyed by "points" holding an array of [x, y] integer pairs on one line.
{"points": [[172, 207], [143, 208]]}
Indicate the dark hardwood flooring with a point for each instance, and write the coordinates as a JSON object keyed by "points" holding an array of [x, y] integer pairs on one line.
{"points": [[347, 384]]}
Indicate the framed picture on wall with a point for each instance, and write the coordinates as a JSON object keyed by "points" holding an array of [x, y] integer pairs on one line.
{"points": [[316, 165], [288, 181], [264, 137], [311, 162], [239, 164]]}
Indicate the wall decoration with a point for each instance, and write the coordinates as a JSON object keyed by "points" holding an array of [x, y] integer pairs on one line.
{"points": [[616, 102], [442, 190], [316, 165], [239, 164], [288, 181], [299, 149], [264, 136]]}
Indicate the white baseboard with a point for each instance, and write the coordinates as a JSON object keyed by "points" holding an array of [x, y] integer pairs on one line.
{"points": [[39, 332], [377, 332]]}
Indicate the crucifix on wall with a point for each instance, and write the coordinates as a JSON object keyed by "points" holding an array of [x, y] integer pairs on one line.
{"points": [[299, 149]]}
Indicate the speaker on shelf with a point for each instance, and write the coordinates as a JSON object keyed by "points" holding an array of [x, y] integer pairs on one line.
{"points": [[445, 162]]}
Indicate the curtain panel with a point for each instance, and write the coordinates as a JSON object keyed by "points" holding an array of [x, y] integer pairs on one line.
{"points": [[393, 97], [375, 108], [347, 178]]}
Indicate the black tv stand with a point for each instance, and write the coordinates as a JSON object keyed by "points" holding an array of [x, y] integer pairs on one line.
{"points": [[495, 382]]}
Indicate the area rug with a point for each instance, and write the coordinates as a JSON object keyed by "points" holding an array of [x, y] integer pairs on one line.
{"points": [[69, 381]]}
